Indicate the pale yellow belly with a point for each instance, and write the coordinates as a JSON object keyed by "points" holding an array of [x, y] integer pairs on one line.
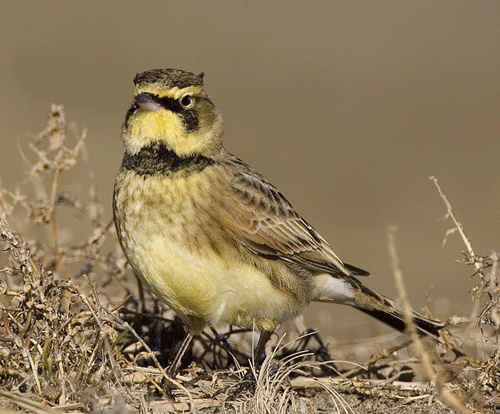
{"points": [[204, 287]]}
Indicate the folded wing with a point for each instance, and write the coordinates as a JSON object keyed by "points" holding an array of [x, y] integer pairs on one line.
{"points": [[269, 226]]}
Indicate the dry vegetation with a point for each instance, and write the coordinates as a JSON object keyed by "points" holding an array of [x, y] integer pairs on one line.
{"points": [[77, 334]]}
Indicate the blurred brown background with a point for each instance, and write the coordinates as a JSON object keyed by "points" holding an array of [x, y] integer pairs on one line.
{"points": [[347, 107]]}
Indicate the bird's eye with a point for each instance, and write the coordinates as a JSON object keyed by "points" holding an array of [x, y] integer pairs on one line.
{"points": [[186, 101]]}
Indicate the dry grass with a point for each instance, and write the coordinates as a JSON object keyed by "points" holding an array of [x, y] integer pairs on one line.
{"points": [[77, 334]]}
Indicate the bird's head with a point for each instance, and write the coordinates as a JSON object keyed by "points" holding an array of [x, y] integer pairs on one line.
{"points": [[171, 108]]}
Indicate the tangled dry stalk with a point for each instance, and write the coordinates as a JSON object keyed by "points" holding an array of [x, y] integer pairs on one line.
{"points": [[77, 333]]}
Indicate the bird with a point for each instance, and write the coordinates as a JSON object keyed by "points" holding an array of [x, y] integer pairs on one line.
{"points": [[210, 236]]}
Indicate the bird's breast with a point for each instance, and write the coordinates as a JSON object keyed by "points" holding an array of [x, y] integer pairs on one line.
{"points": [[172, 234]]}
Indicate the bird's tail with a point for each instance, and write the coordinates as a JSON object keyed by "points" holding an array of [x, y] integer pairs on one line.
{"points": [[384, 309]]}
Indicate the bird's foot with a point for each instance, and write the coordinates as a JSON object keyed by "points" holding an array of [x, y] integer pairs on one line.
{"points": [[248, 383]]}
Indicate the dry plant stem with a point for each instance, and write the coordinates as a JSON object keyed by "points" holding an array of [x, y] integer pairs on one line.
{"points": [[458, 225], [7, 231], [429, 369], [385, 353], [153, 356], [178, 358], [398, 278], [27, 404], [470, 252], [274, 389], [53, 219], [57, 250], [5, 225]]}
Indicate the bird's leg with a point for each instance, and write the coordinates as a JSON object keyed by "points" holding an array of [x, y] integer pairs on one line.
{"points": [[260, 350], [173, 368], [259, 356], [249, 381]]}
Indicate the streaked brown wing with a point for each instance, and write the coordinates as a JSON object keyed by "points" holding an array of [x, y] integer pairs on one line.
{"points": [[268, 225]]}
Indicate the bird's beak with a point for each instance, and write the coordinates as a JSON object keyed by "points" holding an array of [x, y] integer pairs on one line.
{"points": [[146, 101]]}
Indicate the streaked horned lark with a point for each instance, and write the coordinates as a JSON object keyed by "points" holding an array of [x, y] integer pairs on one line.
{"points": [[209, 235]]}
